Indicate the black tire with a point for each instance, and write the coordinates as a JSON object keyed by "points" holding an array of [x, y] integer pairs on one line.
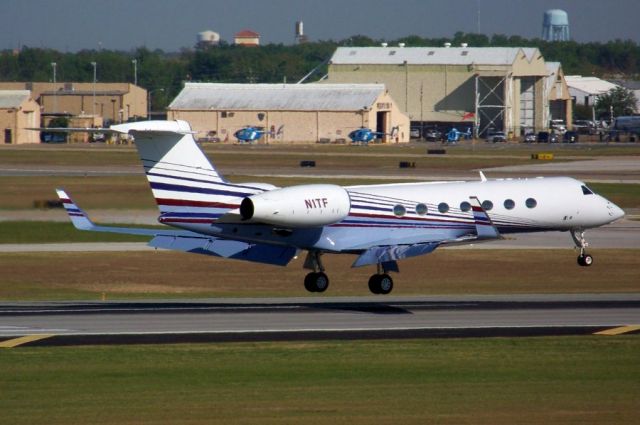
{"points": [[309, 282], [374, 284], [585, 260], [321, 282], [385, 284]]}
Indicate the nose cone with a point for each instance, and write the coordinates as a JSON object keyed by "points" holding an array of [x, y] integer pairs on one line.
{"points": [[615, 212]]}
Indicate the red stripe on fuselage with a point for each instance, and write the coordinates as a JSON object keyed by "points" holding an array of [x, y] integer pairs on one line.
{"points": [[188, 203]]}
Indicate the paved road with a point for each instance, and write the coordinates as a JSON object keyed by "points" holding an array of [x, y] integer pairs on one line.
{"points": [[309, 318]]}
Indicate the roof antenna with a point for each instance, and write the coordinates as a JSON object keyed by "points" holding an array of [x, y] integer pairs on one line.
{"points": [[482, 177]]}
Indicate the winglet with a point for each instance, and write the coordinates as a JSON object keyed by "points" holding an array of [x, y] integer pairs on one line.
{"points": [[485, 229], [78, 217], [482, 176]]}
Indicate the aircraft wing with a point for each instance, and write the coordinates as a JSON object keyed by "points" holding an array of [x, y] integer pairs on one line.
{"points": [[186, 241], [485, 230], [236, 250]]}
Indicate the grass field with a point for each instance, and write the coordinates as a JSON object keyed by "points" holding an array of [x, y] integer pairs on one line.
{"points": [[568, 380], [164, 274]]}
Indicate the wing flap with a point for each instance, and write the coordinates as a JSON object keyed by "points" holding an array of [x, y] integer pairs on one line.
{"points": [[385, 254]]}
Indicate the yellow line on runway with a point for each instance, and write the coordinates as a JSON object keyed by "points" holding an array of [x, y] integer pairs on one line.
{"points": [[10, 343], [619, 331]]}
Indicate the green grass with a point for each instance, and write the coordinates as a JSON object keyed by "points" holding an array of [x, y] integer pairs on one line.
{"points": [[581, 380], [170, 274], [51, 232], [623, 195]]}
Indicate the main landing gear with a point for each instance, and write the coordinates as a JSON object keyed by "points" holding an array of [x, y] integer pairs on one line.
{"points": [[584, 259], [380, 283], [317, 281]]}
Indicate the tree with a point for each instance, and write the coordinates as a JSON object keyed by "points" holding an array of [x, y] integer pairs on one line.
{"points": [[622, 100]]}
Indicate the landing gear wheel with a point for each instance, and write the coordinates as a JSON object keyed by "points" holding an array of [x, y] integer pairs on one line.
{"points": [[585, 260], [316, 282], [380, 284]]}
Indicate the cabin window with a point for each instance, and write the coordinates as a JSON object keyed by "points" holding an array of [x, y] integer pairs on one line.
{"points": [[399, 210], [586, 190], [465, 206], [531, 203], [487, 205], [509, 204], [421, 209], [443, 207]]}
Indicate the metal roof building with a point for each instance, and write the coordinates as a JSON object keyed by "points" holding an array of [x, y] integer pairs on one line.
{"points": [[296, 112], [18, 111], [489, 87], [585, 90]]}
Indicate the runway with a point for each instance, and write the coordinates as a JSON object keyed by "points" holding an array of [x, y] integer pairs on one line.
{"points": [[313, 318]]}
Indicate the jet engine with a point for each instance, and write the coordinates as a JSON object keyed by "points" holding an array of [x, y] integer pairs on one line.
{"points": [[297, 206]]}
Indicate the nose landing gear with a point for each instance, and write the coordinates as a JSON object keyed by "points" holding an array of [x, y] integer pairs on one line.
{"points": [[584, 259]]}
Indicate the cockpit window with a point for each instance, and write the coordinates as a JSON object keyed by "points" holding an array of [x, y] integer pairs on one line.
{"points": [[586, 190]]}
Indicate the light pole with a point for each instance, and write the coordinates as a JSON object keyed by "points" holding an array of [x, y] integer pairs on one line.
{"points": [[95, 65], [135, 71], [55, 99], [149, 102]]}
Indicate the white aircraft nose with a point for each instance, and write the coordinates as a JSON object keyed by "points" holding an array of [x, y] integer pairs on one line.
{"points": [[615, 211]]}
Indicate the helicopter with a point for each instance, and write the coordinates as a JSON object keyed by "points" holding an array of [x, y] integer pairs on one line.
{"points": [[250, 134], [364, 135], [455, 135]]}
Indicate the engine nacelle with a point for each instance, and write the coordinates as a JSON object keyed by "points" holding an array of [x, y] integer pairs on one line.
{"points": [[308, 205]]}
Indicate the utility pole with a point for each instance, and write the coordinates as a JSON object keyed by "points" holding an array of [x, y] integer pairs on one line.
{"points": [[135, 71], [95, 65], [55, 89]]}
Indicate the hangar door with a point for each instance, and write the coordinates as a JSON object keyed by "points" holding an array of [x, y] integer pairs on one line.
{"points": [[527, 103]]}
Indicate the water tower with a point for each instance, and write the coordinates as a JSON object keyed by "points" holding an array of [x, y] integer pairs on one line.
{"points": [[207, 39], [300, 37], [555, 25]]}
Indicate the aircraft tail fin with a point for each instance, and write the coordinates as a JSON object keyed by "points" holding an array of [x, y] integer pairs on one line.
{"points": [[185, 184]]}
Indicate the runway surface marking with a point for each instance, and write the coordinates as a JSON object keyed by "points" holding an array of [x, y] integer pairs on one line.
{"points": [[619, 331], [15, 342]]}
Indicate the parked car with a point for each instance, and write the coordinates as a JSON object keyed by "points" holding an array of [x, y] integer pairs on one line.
{"points": [[414, 133], [529, 138], [547, 137], [584, 127], [570, 137], [432, 135], [496, 136], [558, 126]]}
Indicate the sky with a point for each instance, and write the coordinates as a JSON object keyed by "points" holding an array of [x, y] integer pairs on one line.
{"points": [[171, 25]]}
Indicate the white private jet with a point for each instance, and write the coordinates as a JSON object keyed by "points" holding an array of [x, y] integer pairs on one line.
{"points": [[379, 223]]}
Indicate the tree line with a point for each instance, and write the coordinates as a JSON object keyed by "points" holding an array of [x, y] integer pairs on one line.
{"points": [[274, 63]]}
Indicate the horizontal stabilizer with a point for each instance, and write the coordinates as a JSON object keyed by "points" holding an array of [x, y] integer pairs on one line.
{"points": [[384, 254], [81, 221], [258, 253]]}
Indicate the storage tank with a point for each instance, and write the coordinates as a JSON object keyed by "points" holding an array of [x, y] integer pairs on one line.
{"points": [[208, 38], [555, 25]]}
